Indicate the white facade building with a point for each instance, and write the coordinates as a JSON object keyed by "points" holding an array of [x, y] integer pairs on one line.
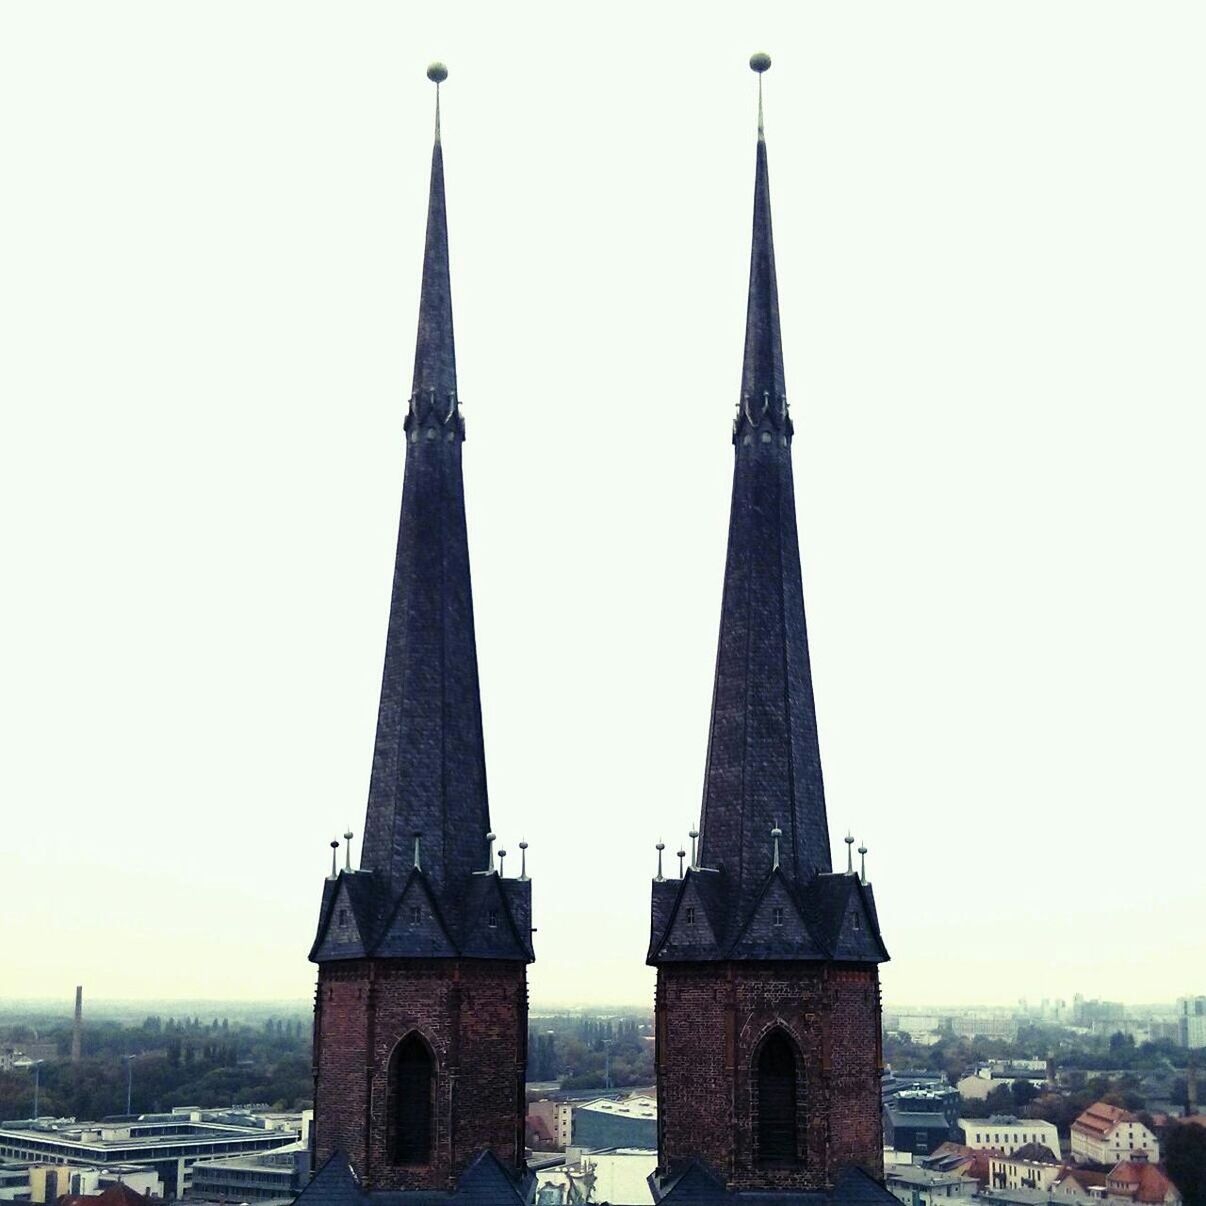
{"points": [[1007, 1173], [1005, 1133], [1106, 1134], [1191, 1021]]}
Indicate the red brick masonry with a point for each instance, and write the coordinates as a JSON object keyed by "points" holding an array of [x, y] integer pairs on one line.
{"points": [[711, 1018], [473, 1014]]}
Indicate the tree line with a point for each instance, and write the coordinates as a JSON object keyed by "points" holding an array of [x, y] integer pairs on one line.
{"points": [[162, 1063], [588, 1051]]}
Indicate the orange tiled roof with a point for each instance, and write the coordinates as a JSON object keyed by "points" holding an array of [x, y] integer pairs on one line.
{"points": [[113, 1195], [1139, 1180], [1100, 1119]]}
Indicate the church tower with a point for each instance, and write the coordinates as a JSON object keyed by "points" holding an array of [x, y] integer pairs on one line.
{"points": [[420, 1026], [768, 1007]]}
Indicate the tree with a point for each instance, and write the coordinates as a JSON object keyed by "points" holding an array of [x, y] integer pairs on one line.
{"points": [[1185, 1159], [1023, 1093]]}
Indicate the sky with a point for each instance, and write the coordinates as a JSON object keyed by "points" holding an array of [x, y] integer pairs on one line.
{"points": [[991, 259]]}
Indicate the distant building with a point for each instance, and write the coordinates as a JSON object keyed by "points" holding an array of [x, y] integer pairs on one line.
{"points": [[916, 1186], [990, 1025], [1086, 1013], [14, 1056], [1191, 1022], [997, 1072], [1005, 1134], [908, 1080], [958, 1157], [1141, 1181], [583, 1177], [1078, 1183], [918, 1122], [1015, 1172], [170, 1144], [1106, 1134], [50, 1182], [551, 1122], [606, 1123], [264, 1177], [116, 1194], [925, 1029]]}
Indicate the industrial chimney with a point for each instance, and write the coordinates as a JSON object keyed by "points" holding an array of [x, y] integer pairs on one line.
{"points": [[77, 1032]]}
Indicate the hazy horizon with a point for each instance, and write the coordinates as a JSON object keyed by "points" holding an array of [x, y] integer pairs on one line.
{"points": [[990, 258], [536, 1006]]}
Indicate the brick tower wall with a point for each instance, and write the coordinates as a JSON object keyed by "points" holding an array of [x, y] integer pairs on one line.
{"points": [[711, 1018], [473, 1014]]}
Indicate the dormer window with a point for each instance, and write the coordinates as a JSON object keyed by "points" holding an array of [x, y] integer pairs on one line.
{"points": [[777, 915], [858, 925], [492, 919], [416, 914], [343, 916], [690, 914]]}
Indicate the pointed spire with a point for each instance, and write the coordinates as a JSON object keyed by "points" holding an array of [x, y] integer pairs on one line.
{"points": [[764, 765], [429, 771], [428, 813], [763, 394], [433, 391]]}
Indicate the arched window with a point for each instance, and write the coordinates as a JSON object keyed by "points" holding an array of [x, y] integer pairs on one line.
{"points": [[776, 1076], [411, 1096]]}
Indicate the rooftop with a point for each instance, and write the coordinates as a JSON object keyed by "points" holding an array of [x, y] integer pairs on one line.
{"points": [[1100, 1119], [913, 1174], [629, 1107], [146, 1131]]}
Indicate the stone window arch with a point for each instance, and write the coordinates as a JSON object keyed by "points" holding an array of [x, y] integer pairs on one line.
{"points": [[410, 1114], [776, 1094]]}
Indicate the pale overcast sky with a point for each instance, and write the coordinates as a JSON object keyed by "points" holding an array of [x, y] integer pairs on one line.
{"points": [[991, 260]]}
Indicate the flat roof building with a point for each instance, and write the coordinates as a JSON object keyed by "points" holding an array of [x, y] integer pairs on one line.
{"points": [[171, 1144], [606, 1123]]}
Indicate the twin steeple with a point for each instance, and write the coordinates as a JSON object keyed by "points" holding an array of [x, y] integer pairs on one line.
{"points": [[428, 817]]}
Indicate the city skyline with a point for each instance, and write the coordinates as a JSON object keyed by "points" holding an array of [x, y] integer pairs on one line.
{"points": [[990, 358]]}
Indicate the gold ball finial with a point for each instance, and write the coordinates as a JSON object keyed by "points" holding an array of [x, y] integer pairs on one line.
{"points": [[438, 73], [760, 62]]}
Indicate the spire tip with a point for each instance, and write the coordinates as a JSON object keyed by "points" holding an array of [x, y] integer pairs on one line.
{"points": [[760, 62]]}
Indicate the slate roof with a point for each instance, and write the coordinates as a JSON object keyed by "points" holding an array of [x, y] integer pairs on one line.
{"points": [[763, 767], [428, 776], [485, 1182], [698, 1185], [832, 917], [364, 915]]}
